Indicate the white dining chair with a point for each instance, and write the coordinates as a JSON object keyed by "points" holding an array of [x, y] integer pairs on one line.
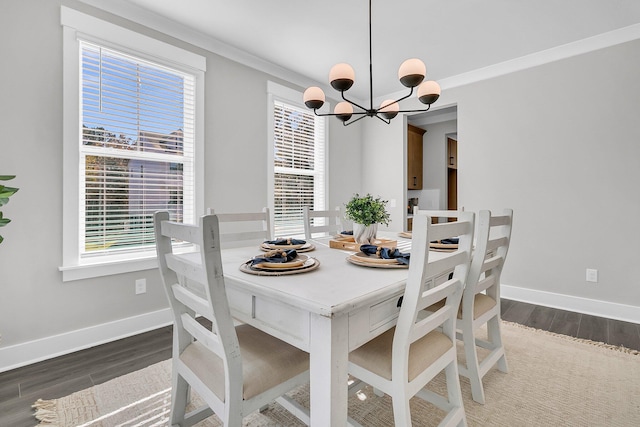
{"points": [[235, 370], [438, 215], [401, 361], [242, 228], [324, 222], [481, 298]]}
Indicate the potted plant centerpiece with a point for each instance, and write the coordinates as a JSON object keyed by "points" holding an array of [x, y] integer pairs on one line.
{"points": [[366, 213]]}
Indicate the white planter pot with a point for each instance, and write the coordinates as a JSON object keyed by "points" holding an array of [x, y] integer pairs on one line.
{"points": [[364, 234]]}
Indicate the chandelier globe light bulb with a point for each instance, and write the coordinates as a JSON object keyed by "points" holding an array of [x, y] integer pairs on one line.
{"points": [[342, 76], [313, 97], [412, 72], [343, 111], [429, 92], [389, 109]]}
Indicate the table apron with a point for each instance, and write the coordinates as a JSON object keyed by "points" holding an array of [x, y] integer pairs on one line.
{"points": [[293, 324]]}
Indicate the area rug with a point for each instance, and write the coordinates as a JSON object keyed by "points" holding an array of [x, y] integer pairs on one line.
{"points": [[553, 380]]}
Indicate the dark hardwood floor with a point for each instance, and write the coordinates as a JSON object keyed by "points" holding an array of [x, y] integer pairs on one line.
{"points": [[64, 375]]}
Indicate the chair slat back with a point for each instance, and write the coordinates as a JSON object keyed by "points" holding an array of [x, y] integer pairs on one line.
{"points": [[243, 227], [325, 221], [191, 300], [439, 215], [492, 245], [186, 269], [411, 326], [178, 271]]}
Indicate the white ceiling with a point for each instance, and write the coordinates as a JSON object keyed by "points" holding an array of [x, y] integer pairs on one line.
{"points": [[452, 37]]}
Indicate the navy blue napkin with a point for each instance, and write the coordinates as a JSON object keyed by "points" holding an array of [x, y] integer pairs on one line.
{"points": [[347, 233], [386, 253], [289, 241], [276, 256]]}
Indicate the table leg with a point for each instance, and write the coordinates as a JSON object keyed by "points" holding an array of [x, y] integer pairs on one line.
{"points": [[329, 353]]}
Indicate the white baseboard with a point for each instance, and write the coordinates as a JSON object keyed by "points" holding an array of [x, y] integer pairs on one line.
{"points": [[611, 310], [57, 345]]}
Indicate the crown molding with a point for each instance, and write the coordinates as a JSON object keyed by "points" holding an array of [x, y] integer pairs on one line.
{"points": [[558, 53]]}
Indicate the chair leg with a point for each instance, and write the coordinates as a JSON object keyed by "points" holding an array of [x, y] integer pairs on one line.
{"points": [[495, 337], [233, 414], [401, 410], [454, 392], [473, 368], [179, 398]]}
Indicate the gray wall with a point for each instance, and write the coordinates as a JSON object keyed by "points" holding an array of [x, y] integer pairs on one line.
{"points": [[35, 303], [383, 155], [560, 144]]}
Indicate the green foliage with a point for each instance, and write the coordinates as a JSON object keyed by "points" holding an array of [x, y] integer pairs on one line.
{"points": [[5, 193], [366, 210]]}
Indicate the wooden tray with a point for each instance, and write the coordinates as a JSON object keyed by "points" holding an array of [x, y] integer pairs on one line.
{"points": [[350, 244]]}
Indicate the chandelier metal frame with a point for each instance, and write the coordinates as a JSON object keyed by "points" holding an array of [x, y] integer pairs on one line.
{"points": [[428, 92]]}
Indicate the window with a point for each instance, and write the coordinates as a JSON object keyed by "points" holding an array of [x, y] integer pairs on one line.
{"points": [[298, 163], [136, 152], [133, 137]]}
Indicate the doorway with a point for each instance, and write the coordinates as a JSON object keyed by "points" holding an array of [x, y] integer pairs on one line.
{"points": [[440, 159]]}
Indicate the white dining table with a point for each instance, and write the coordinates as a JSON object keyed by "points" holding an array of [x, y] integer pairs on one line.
{"points": [[327, 312]]}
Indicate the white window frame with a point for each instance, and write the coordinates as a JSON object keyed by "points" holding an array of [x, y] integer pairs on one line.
{"points": [[277, 92], [79, 26]]}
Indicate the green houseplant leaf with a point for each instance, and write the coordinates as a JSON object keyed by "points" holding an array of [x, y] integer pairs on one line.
{"points": [[5, 193], [366, 210]]}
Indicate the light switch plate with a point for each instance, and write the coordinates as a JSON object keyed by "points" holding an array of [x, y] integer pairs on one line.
{"points": [[141, 286]]}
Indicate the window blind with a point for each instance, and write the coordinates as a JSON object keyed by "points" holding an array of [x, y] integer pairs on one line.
{"points": [[299, 167], [136, 149]]}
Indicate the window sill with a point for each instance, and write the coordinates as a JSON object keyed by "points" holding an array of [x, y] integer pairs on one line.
{"points": [[116, 264], [107, 268]]}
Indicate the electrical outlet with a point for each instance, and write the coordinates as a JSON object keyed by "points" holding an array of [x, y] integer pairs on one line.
{"points": [[141, 286], [592, 275]]}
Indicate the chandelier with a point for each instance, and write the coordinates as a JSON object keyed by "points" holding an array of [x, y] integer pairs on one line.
{"points": [[411, 74]]}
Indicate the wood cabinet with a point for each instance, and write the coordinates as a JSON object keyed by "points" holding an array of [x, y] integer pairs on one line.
{"points": [[414, 157], [452, 174], [452, 153]]}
